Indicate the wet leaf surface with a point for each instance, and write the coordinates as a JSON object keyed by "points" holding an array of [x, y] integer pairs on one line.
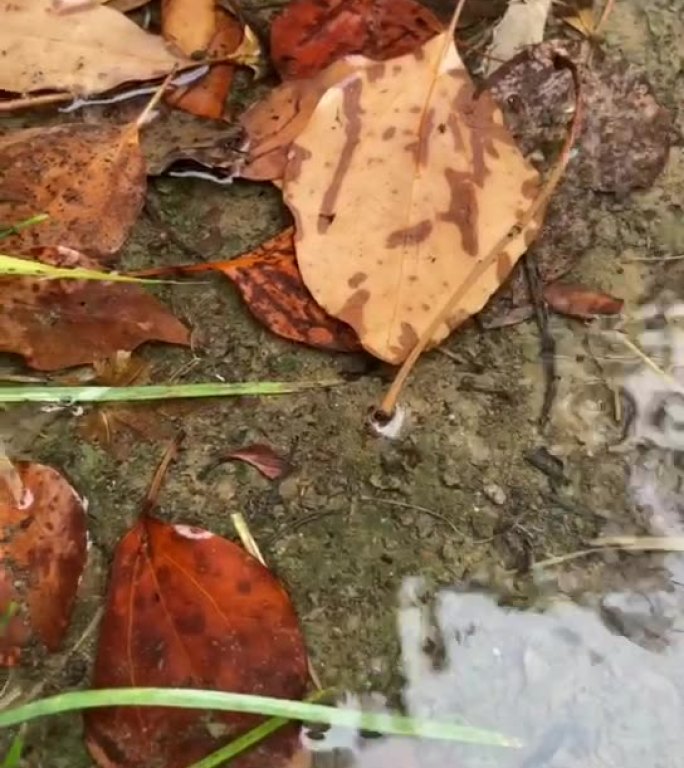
{"points": [[107, 50], [400, 182], [310, 34], [262, 456], [580, 301], [207, 98], [61, 323], [186, 608], [42, 556], [90, 180]]}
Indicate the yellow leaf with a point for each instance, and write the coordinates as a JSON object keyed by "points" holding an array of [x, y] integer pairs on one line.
{"points": [[400, 184], [84, 51]]}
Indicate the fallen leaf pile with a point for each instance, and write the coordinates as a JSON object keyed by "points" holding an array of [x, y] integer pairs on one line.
{"points": [[413, 194]]}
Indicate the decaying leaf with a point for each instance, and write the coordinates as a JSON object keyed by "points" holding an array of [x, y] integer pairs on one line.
{"points": [[270, 284], [264, 457], [626, 134], [84, 51], [207, 98], [400, 182], [522, 25], [42, 556], [60, 323], [581, 302], [273, 123], [90, 180], [186, 608], [175, 140], [310, 34]]}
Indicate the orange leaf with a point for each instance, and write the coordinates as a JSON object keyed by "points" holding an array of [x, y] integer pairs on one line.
{"points": [[581, 302], [42, 556], [310, 34], [269, 281], [60, 323], [90, 179], [188, 24], [207, 98], [402, 182], [186, 608]]}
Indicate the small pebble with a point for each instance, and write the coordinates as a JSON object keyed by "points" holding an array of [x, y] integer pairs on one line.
{"points": [[495, 493]]}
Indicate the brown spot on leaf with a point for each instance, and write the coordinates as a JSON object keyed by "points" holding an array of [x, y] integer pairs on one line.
{"points": [[356, 280], [463, 208], [352, 311], [409, 236], [388, 133]]}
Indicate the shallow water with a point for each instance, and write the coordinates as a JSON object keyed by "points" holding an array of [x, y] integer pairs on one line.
{"points": [[409, 560]]}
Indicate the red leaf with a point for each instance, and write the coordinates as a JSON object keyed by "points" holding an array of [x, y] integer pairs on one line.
{"points": [[310, 34], [60, 323], [261, 456], [578, 301], [186, 608], [42, 556], [268, 279]]}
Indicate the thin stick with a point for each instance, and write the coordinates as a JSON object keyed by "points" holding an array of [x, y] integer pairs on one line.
{"points": [[652, 259], [26, 102], [415, 508], [170, 454], [389, 402], [156, 98], [650, 362], [607, 9], [640, 543]]}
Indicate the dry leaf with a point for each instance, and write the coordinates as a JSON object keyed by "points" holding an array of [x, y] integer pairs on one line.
{"points": [[84, 52], [400, 182], [125, 6], [310, 34], [523, 24], [90, 180], [186, 608], [581, 302], [174, 141], [626, 133], [207, 98], [273, 123], [42, 556], [189, 25], [270, 284], [61, 323], [271, 464]]}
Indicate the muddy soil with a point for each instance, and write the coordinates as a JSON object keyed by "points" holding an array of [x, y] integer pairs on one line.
{"points": [[456, 498]]}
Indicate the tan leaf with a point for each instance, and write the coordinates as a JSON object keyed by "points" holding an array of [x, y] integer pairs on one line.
{"points": [[90, 180], [189, 24], [85, 51], [400, 184]]}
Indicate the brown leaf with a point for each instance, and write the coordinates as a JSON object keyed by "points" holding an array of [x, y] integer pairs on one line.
{"points": [[179, 140], [42, 556], [581, 302], [625, 139], [269, 281], [85, 51], [273, 123], [60, 323], [207, 98], [189, 25], [90, 180], [186, 608], [271, 464], [400, 184], [310, 34]]}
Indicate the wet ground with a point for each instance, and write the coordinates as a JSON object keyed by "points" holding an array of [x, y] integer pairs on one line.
{"points": [[380, 543]]}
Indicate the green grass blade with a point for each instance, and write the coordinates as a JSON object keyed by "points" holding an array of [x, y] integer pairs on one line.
{"points": [[73, 395], [25, 224], [250, 739], [189, 698], [13, 756], [15, 267]]}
